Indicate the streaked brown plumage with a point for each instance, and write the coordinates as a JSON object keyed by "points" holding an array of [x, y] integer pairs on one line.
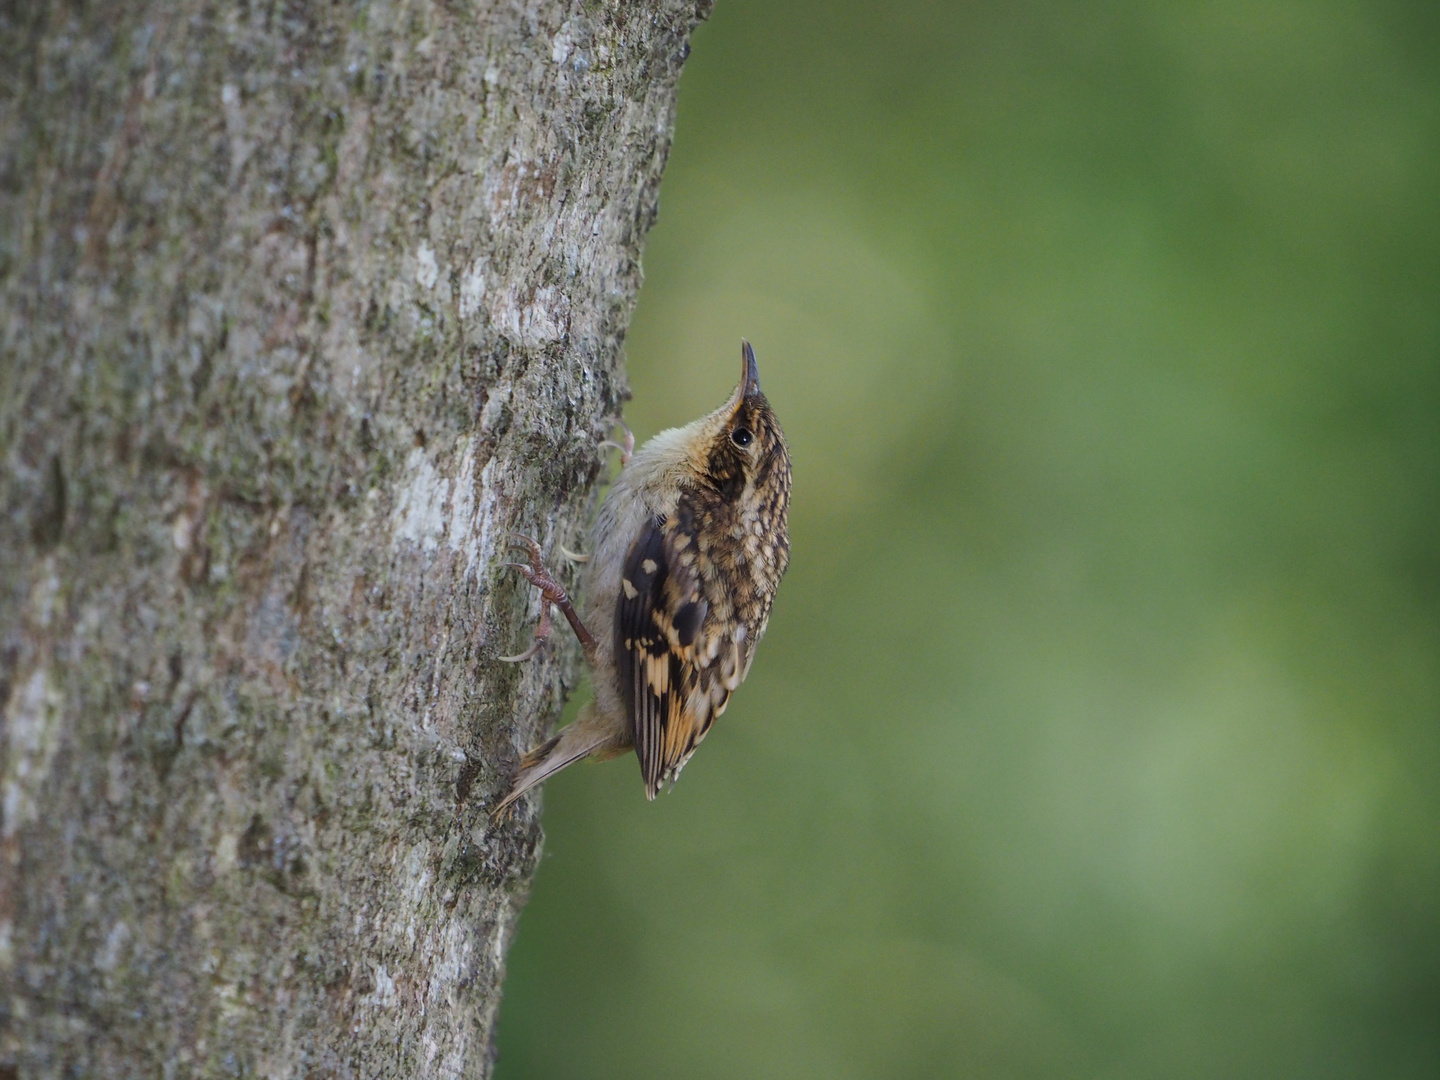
{"points": [[686, 553]]}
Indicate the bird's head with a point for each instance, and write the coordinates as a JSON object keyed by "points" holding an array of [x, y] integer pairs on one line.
{"points": [[743, 445]]}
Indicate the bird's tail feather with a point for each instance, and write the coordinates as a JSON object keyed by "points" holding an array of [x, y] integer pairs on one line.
{"points": [[563, 748]]}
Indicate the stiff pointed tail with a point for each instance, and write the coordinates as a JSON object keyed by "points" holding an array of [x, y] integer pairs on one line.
{"points": [[563, 748]]}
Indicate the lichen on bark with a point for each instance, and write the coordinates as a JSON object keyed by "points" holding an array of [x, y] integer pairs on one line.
{"points": [[304, 307]]}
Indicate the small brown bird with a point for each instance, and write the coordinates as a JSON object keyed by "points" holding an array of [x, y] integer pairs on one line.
{"points": [[686, 554]]}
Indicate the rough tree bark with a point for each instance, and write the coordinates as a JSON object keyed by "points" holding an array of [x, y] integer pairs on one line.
{"points": [[304, 306]]}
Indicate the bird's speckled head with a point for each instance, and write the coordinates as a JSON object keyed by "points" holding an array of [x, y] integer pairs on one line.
{"points": [[744, 447]]}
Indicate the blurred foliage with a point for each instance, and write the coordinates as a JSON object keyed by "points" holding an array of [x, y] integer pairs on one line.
{"points": [[1097, 732]]}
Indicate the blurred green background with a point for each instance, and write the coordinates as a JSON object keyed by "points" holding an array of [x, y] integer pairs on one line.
{"points": [[1097, 732]]}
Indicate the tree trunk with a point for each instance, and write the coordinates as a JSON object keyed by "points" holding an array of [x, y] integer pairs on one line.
{"points": [[304, 307]]}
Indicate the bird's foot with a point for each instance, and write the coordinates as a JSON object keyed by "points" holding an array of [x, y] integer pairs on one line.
{"points": [[626, 446], [551, 592]]}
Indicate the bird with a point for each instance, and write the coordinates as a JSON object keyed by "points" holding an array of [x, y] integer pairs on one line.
{"points": [[686, 553]]}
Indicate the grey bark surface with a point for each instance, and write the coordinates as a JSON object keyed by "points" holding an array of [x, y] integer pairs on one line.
{"points": [[304, 306]]}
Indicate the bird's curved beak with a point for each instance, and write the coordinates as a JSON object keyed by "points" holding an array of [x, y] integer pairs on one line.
{"points": [[750, 375]]}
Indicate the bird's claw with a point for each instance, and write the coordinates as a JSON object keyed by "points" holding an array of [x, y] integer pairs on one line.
{"points": [[551, 592], [625, 446], [531, 546], [528, 654], [535, 572]]}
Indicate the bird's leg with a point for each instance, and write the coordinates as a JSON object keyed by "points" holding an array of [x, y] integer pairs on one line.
{"points": [[626, 447], [551, 592], [542, 630]]}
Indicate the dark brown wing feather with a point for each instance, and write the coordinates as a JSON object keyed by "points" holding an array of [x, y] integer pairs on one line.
{"points": [[650, 676], [674, 646]]}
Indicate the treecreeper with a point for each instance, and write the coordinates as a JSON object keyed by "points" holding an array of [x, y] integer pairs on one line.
{"points": [[685, 556]]}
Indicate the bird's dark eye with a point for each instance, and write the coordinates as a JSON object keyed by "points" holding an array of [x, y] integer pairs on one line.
{"points": [[742, 436]]}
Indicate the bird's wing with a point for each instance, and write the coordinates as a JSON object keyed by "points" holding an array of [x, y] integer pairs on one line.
{"points": [[676, 645]]}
